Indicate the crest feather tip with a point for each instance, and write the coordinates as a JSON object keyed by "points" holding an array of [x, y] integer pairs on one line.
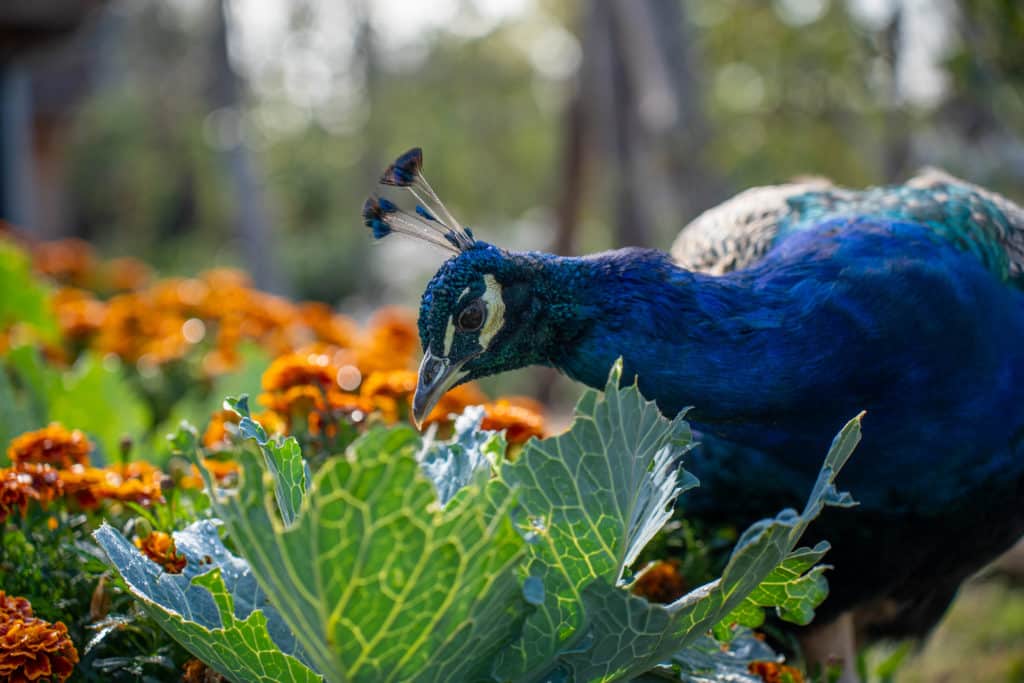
{"points": [[404, 170]]}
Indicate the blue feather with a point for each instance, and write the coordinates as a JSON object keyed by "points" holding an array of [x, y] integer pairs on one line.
{"points": [[906, 302], [404, 171]]}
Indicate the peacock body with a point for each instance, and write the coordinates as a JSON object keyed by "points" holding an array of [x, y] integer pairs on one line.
{"points": [[780, 315]]}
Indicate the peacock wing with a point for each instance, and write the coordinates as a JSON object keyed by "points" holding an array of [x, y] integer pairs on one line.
{"points": [[737, 233], [991, 224]]}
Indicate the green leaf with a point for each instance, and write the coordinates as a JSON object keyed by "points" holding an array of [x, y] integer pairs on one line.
{"points": [[377, 580], [625, 635], [592, 497], [283, 460], [200, 401], [707, 661], [467, 457], [17, 416], [25, 298], [214, 608], [794, 589], [93, 396]]}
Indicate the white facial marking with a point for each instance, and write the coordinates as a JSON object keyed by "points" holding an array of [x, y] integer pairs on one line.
{"points": [[449, 332], [449, 337], [495, 311]]}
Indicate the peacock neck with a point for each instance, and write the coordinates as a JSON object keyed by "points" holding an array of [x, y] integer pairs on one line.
{"points": [[758, 355]]}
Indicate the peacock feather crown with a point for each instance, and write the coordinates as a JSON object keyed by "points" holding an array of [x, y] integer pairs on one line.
{"points": [[431, 222]]}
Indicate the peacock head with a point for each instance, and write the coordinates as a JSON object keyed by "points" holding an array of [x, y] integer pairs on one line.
{"points": [[476, 312]]}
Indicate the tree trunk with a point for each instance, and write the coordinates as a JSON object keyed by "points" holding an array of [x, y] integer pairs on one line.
{"points": [[252, 218]]}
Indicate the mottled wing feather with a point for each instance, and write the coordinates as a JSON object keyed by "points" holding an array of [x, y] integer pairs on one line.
{"points": [[738, 232], [1000, 218]]}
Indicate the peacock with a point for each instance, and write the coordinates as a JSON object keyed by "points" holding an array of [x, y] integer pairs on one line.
{"points": [[778, 316]]}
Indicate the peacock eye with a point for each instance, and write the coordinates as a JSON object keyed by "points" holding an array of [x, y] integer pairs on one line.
{"points": [[472, 316]]}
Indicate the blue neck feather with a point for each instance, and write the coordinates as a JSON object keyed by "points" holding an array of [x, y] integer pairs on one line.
{"points": [[880, 316]]}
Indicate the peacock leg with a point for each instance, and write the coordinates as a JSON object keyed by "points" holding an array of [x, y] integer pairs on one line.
{"points": [[831, 644]]}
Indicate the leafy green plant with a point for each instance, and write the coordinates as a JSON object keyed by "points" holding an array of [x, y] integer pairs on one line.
{"points": [[25, 300], [363, 572], [81, 396]]}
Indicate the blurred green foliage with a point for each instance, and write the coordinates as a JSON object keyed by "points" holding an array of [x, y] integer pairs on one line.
{"points": [[827, 87]]}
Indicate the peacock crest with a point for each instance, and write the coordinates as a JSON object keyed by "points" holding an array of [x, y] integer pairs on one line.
{"points": [[432, 222]]}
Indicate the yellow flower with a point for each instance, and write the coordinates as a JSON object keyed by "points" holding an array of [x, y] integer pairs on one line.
{"points": [[52, 445]]}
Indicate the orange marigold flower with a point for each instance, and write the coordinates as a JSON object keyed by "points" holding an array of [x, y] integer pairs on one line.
{"points": [[128, 323], [455, 401], [391, 383], [223, 471], [346, 402], [82, 483], [223, 359], [300, 368], [181, 295], [14, 608], [45, 480], [52, 445], [218, 435], [132, 490], [159, 547], [70, 260], [772, 672], [126, 274], [32, 650], [661, 582], [295, 401], [520, 420], [226, 278], [389, 343], [138, 482], [137, 469], [15, 492], [78, 313], [273, 423], [196, 671], [326, 325]]}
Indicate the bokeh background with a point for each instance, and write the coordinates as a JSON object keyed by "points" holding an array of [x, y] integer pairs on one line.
{"points": [[198, 133]]}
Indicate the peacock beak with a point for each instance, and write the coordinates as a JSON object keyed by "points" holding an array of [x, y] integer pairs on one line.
{"points": [[437, 375]]}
